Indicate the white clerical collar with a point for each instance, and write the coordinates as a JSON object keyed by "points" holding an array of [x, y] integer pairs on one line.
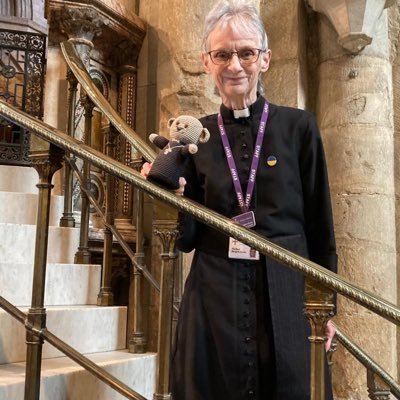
{"points": [[241, 113]]}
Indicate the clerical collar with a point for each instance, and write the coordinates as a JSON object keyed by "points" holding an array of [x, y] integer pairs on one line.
{"points": [[244, 113]]}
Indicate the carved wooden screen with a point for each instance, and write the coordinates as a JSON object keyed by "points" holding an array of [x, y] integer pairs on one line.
{"points": [[22, 71]]}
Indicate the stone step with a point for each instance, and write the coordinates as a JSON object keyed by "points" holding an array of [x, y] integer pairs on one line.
{"points": [[62, 379], [66, 284], [21, 208], [63, 244], [89, 329]]}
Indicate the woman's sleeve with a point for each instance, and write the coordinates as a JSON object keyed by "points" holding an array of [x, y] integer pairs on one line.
{"points": [[317, 202]]}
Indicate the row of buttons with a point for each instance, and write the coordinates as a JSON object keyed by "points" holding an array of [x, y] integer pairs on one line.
{"points": [[248, 278]]}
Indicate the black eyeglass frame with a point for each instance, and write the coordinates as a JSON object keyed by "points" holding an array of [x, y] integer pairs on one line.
{"points": [[231, 53]]}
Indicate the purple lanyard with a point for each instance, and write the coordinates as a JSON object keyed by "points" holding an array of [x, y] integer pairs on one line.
{"points": [[244, 203]]}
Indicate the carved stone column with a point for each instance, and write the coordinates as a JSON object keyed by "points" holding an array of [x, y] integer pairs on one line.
{"points": [[395, 56], [353, 20], [288, 67], [355, 114]]}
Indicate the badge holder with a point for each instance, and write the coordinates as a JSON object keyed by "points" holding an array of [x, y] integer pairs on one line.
{"points": [[239, 250]]}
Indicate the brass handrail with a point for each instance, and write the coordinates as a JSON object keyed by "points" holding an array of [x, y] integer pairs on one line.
{"points": [[69, 351], [368, 362], [308, 268]]}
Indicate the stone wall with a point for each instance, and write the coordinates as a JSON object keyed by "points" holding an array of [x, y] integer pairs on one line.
{"points": [[356, 119], [395, 56]]}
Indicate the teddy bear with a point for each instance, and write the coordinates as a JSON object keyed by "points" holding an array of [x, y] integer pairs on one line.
{"points": [[185, 133]]}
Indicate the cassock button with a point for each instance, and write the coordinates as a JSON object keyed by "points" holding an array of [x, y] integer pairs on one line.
{"points": [[247, 339], [246, 276], [244, 146], [245, 156]]}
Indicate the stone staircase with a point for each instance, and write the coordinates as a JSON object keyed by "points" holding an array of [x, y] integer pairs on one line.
{"points": [[70, 301]]}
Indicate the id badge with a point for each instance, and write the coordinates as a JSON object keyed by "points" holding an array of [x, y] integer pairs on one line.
{"points": [[241, 251], [238, 249]]}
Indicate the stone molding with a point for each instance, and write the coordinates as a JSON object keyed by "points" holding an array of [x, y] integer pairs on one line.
{"points": [[117, 38], [353, 20], [78, 23], [23, 15]]}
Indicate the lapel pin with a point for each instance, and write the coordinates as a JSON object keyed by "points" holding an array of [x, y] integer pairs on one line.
{"points": [[271, 161]]}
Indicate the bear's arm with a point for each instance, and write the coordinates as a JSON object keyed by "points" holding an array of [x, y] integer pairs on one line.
{"points": [[160, 141], [189, 149]]}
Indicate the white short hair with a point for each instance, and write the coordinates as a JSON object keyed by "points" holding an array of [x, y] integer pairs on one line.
{"points": [[240, 15]]}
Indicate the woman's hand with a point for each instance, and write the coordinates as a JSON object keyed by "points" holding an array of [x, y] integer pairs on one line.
{"points": [[146, 167], [181, 190], [330, 332]]}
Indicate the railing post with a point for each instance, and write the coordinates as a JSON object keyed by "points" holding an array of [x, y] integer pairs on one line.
{"points": [[82, 256], [318, 310], [67, 220], [106, 296], [377, 388], [137, 340], [46, 160], [178, 290], [168, 236]]}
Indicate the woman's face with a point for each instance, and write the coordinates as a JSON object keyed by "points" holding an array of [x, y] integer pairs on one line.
{"points": [[236, 82]]}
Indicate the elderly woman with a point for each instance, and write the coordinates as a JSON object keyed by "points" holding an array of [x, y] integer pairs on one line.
{"points": [[241, 332]]}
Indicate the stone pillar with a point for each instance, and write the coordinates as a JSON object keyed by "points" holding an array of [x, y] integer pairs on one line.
{"points": [[396, 115], [356, 119], [289, 57]]}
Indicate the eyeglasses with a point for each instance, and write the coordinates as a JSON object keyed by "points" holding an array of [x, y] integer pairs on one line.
{"points": [[246, 56]]}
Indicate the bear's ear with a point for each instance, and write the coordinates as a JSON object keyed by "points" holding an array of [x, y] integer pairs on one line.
{"points": [[170, 122], [205, 135]]}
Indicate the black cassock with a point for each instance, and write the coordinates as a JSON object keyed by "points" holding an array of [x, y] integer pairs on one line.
{"points": [[241, 331]]}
